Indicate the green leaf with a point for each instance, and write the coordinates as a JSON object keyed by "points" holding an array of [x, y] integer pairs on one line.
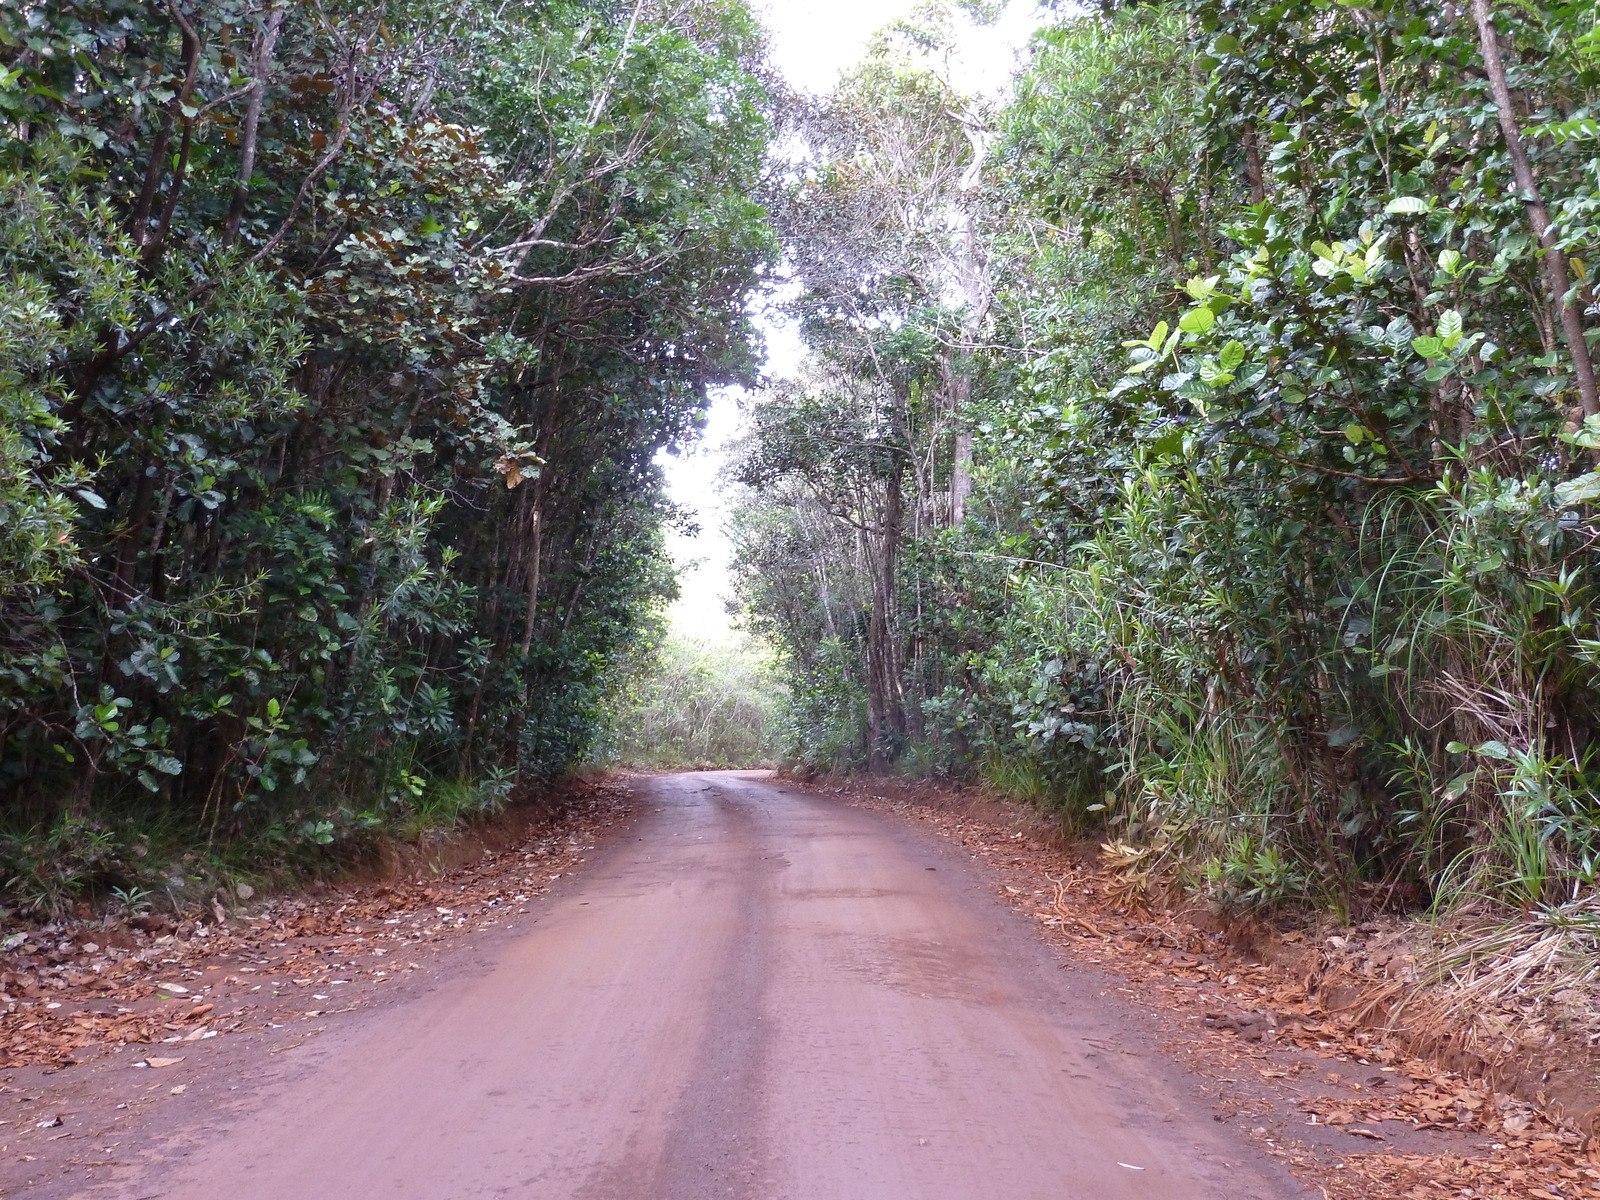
{"points": [[1408, 205], [1497, 750], [1159, 336], [1197, 321], [1578, 491], [1586, 435], [1168, 445], [1450, 327], [1429, 347], [1357, 433], [274, 708], [1232, 355]]}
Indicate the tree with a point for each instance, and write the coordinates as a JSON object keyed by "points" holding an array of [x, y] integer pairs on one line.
{"points": [[346, 336]]}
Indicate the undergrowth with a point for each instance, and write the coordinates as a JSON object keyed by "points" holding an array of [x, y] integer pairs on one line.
{"points": [[124, 862]]}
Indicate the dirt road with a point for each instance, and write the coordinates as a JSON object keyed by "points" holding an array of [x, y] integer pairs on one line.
{"points": [[752, 993]]}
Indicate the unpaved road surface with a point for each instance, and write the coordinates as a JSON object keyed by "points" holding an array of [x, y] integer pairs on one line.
{"points": [[752, 992]]}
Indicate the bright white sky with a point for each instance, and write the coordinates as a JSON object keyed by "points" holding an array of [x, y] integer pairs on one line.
{"points": [[812, 42]]}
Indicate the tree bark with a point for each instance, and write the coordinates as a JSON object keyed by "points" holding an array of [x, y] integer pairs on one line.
{"points": [[535, 556], [886, 719], [252, 123], [1555, 261], [977, 292], [1253, 173]]}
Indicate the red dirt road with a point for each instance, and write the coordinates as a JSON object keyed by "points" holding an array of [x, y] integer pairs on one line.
{"points": [[753, 993]]}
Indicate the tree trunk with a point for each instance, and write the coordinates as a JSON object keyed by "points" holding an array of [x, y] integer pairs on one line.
{"points": [[535, 556], [886, 718], [972, 269], [1555, 261], [252, 123], [1253, 173]]}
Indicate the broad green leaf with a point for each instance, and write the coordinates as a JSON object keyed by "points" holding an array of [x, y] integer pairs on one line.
{"points": [[1232, 355], [1586, 435], [1197, 321], [1429, 347], [1168, 445], [1408, 205], [1578, 491]]}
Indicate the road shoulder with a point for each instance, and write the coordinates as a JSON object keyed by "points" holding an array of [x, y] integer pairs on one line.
{"points": [[118, 1048], [1340, 1105]]}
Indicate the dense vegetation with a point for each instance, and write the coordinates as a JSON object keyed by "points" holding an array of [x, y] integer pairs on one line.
{"points": [[691, 703], [336, 343], [1202, 443]]}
